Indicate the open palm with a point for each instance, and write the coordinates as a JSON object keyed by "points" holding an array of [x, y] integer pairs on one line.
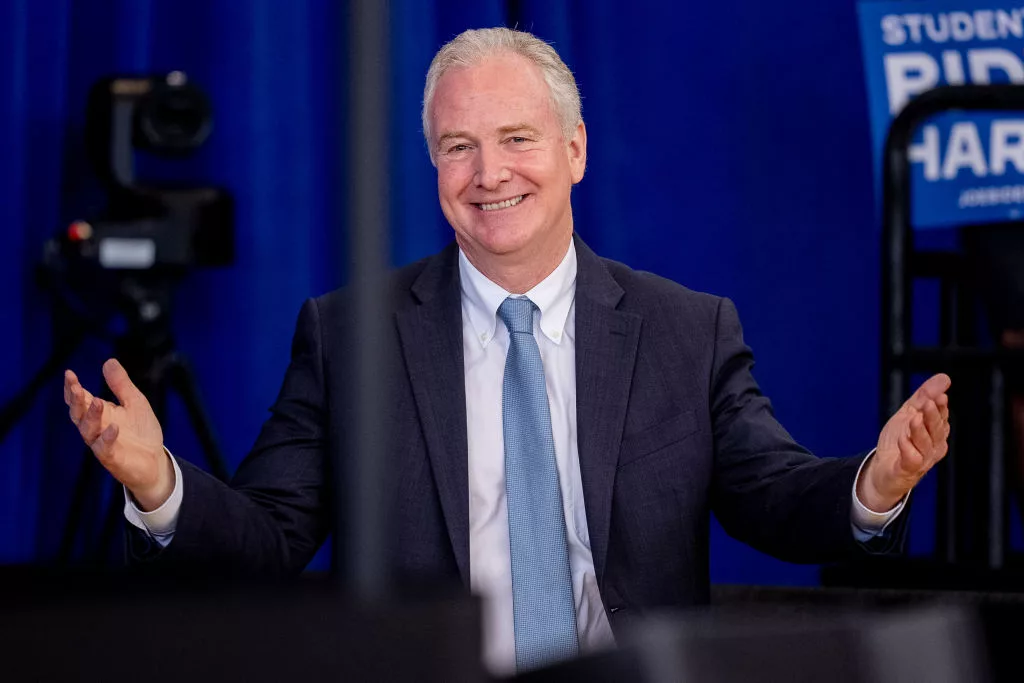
{"points": [[913, 440], [125, 436]]}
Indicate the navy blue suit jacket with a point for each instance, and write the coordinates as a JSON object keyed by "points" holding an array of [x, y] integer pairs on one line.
{"points": [[671, 426]]}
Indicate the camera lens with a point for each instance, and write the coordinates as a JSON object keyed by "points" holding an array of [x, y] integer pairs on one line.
{"points": [[173, 119]]}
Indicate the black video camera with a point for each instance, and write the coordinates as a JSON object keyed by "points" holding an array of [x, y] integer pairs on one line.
{"points": [[146, 227]]}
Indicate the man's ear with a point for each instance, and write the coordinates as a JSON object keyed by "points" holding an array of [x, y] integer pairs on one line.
{"points": [[577, 150]]}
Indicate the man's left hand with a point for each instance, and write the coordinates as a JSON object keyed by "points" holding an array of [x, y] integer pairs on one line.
{"points": [[912, 441]]}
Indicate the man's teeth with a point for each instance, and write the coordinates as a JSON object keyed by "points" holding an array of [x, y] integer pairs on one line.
{"points": [[502, 205]]}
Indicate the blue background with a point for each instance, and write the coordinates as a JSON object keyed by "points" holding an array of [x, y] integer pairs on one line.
{"points": [[729, 149]]}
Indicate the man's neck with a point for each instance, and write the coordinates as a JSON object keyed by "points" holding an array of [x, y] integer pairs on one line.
{"points": [[518, 274]]}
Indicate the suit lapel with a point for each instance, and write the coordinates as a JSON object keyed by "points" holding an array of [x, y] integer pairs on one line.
{"points": [[431, 337], [606, 345]]}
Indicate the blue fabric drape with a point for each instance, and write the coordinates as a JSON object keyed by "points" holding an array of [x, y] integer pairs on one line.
{"points": [[728, 150]]}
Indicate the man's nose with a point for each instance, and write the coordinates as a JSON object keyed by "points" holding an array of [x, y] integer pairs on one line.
{"points": [[492, 168]]}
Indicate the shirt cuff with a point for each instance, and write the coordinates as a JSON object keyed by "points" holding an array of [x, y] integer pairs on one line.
{"points": [[160, 523], [866, 523]]}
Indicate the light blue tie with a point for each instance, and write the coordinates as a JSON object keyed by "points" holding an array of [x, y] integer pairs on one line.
{"points": [[542, 600]]}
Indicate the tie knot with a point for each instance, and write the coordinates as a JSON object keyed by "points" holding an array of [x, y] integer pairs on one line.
{"points": [[517, 314]]}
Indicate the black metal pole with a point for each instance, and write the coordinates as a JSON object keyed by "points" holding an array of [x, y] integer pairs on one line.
{"points": [[996, 512], [361, 545]]}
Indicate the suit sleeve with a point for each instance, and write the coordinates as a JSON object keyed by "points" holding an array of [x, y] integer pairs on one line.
{"points": [[274, 516], [767, 490]]}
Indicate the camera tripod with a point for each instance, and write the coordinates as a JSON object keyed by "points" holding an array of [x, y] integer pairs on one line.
{"points": [[147, 351]]}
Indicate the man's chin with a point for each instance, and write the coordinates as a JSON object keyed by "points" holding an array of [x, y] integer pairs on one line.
{"points": [[494, 246]]}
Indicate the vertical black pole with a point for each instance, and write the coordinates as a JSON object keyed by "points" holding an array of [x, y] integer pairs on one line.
{"points": [[996, 512], [360, 546], [514, 15]]}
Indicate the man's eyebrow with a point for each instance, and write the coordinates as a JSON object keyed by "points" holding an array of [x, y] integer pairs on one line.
{"points": [[451, 135], [503, 130], [519, 128]]}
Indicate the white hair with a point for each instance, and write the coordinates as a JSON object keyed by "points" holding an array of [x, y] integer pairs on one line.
{"points": [[470, 47]]}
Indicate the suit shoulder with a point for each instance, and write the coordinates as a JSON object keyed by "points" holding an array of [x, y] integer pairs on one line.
{"points": [[647, 292], [399, 283]]}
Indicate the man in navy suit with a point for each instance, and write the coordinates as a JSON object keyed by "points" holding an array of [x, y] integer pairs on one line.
{"points": [[655, 418]]}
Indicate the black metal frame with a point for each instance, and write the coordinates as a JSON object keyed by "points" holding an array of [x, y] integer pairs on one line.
{"points": [[900, 358]]}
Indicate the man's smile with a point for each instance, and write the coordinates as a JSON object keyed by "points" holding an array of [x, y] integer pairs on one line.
{"points": [[504, 204]]}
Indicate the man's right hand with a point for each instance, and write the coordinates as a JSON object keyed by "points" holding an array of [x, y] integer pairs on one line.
{"points": [[126, 438]]}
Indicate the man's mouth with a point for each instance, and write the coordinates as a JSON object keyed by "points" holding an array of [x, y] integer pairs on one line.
{"points": [[505, 204]]}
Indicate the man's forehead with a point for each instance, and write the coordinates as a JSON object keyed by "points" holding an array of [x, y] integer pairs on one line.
{"points": [[503, 77], [495, 95]]}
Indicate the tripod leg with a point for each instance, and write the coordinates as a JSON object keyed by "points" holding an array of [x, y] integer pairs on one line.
{"points": [[88, 473], [182, 379], [113, 521], [16, 408], [87, 481]]}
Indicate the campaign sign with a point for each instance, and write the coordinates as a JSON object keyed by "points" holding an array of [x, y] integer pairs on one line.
{"points": [[966, 168]]}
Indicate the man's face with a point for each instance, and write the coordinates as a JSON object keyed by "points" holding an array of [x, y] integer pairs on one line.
{"points": [[504, 171]]}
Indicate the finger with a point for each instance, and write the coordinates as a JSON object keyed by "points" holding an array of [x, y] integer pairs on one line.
{"points": [[91, 423], [943, 403], [103, 446], [935, 386], [70, 384], [119, 382], [911, 460], [70, 379], [81, 400], [933, 420], [940, 447], [921, 439]]}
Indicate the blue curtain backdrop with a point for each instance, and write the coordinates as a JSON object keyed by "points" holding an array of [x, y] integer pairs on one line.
{"points": [[728, 150]]}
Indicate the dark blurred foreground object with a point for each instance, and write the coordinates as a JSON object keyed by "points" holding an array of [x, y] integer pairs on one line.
{"points": [[57, 627], [994, 615], [117, 627], [792, 644]]}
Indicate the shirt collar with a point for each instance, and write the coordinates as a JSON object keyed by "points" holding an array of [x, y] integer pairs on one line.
{"points": [[553, 296]]}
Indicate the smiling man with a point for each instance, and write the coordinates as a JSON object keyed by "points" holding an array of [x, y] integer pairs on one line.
{"points": [[506, 165], [563, 425]]}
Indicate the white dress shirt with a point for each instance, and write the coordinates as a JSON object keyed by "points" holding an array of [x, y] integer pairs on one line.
{"points": [[485, 342], [485, 345]]}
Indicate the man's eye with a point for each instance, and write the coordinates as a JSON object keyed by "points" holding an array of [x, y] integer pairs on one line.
{"points": [[458, 148], [518, 139]]}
